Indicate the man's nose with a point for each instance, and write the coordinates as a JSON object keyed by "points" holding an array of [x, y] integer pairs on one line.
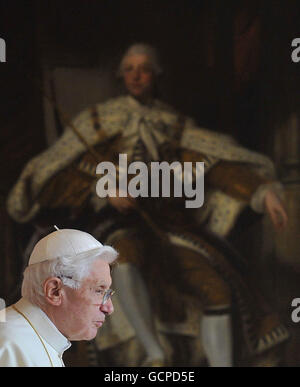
{"points": [[136, 74], [107, 308]]}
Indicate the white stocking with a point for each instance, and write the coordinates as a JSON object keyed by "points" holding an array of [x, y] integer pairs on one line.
{"points": [[134, 300], [216, 333]]}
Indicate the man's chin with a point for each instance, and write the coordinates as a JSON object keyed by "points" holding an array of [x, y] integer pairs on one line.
{"points": [[88, 337], [93, 334], [136, 94]]}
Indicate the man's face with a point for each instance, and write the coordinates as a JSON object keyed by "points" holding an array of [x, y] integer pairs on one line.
{"points": [[138, 75], [82, 310]]}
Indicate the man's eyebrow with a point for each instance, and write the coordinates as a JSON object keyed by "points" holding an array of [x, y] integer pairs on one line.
{"points": [[101, 285]]}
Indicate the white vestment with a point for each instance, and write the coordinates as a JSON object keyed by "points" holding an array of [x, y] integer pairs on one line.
{"points": [[21, 345]]}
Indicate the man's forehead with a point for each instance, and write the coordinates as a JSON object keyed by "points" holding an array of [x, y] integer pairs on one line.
{"points": [[137, 59], [101, 271], [100, 280]]}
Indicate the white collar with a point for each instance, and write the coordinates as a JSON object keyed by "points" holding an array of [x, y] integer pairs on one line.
{"points": [[45, 327]]}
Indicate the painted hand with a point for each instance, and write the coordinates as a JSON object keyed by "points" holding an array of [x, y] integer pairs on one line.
{"points": [[276, 211]]}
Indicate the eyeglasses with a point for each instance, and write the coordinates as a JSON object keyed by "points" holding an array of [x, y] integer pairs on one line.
{"points": [[106, 294]]}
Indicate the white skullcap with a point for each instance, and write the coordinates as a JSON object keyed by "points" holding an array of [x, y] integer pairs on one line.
{"points": [[71, 243]]}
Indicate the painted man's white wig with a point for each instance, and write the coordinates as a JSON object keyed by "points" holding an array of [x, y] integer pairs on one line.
{"points": [[144, 49]]}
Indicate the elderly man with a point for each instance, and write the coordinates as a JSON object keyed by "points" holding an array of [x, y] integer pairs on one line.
{"points": [[66, 296], [185, 261]]}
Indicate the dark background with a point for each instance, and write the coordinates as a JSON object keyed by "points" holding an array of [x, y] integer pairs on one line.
{"points": [[227, 64]]}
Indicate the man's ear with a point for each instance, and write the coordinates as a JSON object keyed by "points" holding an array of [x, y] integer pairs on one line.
{"points": [[53, 291]]}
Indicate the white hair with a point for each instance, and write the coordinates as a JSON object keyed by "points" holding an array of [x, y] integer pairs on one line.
{"points": [[143, 49], [71, 270]]}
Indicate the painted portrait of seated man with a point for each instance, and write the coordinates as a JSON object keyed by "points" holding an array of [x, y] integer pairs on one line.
{"points": [[176, 273]]}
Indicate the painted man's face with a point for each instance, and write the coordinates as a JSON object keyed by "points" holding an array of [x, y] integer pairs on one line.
{"points": [[138, 75], [83, 309]]}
